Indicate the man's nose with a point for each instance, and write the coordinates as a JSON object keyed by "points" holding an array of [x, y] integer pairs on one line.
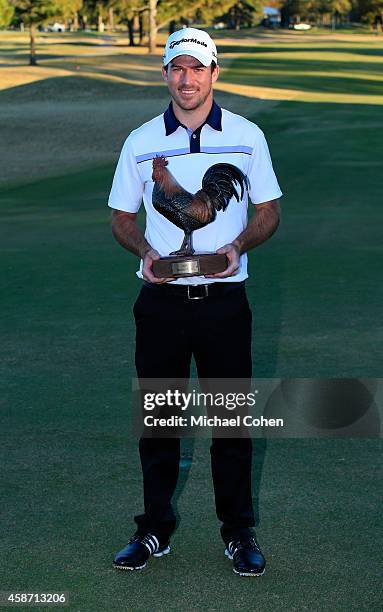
{"points": [[187, 77]]}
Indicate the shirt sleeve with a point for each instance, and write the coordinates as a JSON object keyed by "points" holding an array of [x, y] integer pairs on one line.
{"points": [[263, 182], [127, 187]]}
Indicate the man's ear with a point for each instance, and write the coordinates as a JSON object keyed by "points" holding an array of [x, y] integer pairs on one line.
{"points": [[164, 74], [215, 73]]}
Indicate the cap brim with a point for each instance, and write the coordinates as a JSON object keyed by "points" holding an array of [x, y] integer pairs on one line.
{"points": [[199, 56]]}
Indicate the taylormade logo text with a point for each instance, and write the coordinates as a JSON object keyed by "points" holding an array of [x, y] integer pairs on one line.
{"points": [[185, 40]]}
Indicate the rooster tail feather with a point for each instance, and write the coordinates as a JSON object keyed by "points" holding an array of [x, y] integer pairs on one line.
{"points": [[220, 183]]}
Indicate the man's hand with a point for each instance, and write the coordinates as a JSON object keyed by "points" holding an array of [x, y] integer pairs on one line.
{"points": [[232, 253], [150, 256]]}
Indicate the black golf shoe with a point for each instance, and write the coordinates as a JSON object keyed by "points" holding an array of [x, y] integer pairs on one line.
{"points": [[138, 550], [247, 557]]}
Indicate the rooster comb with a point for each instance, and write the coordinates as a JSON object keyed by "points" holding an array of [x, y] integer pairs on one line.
{"points": [[159, 162]]}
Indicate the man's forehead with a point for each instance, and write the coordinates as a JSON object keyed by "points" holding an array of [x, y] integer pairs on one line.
{"points": [[186, 60]]}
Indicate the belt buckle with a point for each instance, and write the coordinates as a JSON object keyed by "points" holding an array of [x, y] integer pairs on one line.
{"points": [[198, 297]]}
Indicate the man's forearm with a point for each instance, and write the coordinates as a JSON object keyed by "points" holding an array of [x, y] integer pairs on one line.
{"points": [[261, 226], [128, 234]]}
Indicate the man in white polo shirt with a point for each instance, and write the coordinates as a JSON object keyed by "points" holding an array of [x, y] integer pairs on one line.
{"points": [[205, 317]]}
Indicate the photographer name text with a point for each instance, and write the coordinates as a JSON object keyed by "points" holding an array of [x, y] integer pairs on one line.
{"points": [[215, 421]]}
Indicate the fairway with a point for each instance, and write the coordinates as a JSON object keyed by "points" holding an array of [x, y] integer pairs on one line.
{"points": [[71, 478]]}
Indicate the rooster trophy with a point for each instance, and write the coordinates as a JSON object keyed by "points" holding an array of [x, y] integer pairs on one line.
{"points": [[190, 211]]}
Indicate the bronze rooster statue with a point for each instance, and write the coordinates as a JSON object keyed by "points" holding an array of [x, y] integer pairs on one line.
{"points": [[190, 211]]}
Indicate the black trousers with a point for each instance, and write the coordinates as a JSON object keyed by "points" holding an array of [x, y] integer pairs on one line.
{"points": [[217, 331]]}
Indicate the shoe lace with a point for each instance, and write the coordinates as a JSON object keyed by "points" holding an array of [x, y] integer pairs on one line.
{"points": [[147, 540], [134, 538], [239, 544], [253, 544]]}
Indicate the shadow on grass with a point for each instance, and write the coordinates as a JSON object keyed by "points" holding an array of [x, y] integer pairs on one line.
{"points": [[285, 47], [187, 453], [79, 87], [83, 43], [14, 50], [276, 73]]}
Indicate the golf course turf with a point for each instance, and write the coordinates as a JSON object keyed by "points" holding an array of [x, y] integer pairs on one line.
{"points": [[71, 475]]}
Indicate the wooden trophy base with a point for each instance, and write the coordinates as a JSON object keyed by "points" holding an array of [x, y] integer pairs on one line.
{"points": [[180, 266]]}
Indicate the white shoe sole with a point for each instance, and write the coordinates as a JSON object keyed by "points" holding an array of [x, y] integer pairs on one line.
{"points": [[126, 567], [166, 551], [252, 574]]}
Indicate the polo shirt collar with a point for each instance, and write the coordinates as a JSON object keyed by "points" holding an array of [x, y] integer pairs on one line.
{"points": [[214, 119]]}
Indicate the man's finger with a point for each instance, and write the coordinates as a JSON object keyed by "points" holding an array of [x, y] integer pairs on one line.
{"points": [[230, 271], [149, 276]]}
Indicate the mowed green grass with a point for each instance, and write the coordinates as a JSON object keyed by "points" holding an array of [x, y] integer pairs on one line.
{"points": [[71, 477]]}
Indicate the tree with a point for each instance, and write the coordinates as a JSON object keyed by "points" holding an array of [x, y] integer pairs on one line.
{"points": [[333, 9], [6, 13], [98, 11], [159, 14], [243, 13], [153, 27], [294, 10], [130, 12], [33, 13], [69, 10], [371, 11], [181, 11], [309, 9], [102, 10]]}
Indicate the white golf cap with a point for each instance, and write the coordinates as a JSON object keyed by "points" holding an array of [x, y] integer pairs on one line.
{"points": [[190, 41]]}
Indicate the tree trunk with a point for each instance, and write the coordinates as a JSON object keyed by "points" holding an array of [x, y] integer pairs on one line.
{"points": [[100, 23], [110, 19], [32, 55], [75, 21], [136, 24], [285, 17], [131, 32], [141, 28], [237, 20], [152, 26], [231, 19]]}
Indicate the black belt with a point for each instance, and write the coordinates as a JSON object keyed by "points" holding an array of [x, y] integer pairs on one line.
{"points": [[195, 292]]}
